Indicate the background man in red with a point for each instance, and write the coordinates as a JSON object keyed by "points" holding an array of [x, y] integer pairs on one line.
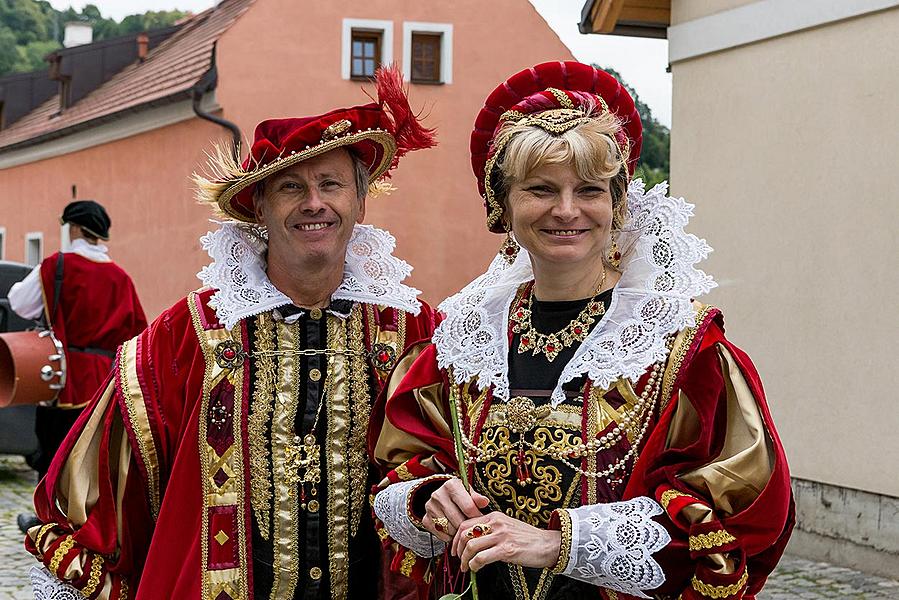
{"points": [[97, 310]]}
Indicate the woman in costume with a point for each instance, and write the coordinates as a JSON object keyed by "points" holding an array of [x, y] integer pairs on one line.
{"points": [[580, 427]]}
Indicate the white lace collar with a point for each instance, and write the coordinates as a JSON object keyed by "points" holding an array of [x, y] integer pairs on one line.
{"points": [[371, 275], [651, 301]]}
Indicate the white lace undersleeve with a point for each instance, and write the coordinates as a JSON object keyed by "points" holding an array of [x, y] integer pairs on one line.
{"points": [[391, 506], [372, 275], [47, 587], [651, 301], [612, 545]]}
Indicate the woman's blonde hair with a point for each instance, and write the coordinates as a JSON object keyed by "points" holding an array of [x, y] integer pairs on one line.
{"points": [[589, 147]]}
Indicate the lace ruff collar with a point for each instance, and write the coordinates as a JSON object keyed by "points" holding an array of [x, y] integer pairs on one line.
{"points": [[371, 275], [651, 301]]}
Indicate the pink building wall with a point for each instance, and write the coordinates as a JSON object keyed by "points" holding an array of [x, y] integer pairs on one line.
{"points": [[282, 58]]}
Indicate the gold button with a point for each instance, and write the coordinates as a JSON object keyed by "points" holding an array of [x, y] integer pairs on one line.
{"points": [[316, 313], [315, 573], [313, 506], [315, 374]]}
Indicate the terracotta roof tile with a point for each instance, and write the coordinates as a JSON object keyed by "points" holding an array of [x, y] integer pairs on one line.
{"points": [[170, 69]]}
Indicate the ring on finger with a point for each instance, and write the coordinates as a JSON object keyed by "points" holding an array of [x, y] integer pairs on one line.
{"points": [[481, 529], [441, 524]]}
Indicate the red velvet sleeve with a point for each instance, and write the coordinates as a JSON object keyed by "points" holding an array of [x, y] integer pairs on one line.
{"points": [[718, 469]]}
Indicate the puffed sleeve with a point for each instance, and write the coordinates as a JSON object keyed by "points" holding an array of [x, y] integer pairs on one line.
{"points": [[101, 496], [717, 468], [414, 450], [97, 522]]}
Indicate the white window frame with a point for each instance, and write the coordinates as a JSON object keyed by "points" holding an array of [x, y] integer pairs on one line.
{"points": [[30, 237], [2, 243], [385, 28], [446, 47]]}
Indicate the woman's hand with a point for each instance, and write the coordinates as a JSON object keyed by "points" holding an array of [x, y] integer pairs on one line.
{"points": [[508, 540], [451, 501]]}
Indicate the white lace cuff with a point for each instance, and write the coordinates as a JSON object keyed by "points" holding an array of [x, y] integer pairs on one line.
{"points": [[392, 507], [48, 587], [612, 545]]}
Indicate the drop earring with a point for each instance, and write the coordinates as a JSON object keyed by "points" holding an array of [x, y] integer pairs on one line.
{"points": [[614, 255], [509, 249]]}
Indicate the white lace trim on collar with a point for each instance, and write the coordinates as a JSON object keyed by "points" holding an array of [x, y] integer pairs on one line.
{"points": [[372, 275], [651, 301]]}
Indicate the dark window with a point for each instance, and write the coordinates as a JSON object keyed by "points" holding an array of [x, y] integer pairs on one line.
{"points": [[426, 57], [365, 54]]}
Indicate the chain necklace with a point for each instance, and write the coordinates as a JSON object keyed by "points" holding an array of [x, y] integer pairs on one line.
{"points": [[550, 344], [303, 458]]}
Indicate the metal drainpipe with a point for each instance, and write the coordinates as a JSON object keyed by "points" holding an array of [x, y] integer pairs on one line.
{"points": [[207, 83]]}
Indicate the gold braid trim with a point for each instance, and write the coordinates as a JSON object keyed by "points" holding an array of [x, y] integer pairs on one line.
{"points": [[403, 473], [669, 495], [123, 590], [258, 423], [360, 402], [407, 564], [719, 591], [565, 548], [94, 581], [42, 532], [61, 551], [682, 344], [713, 539]]}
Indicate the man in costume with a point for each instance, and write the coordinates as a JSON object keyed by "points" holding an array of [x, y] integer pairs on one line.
{"points": [[226, 458], [610, 441], [97, 309]]}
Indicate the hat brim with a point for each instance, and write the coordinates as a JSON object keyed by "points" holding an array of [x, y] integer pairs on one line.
{"points": [[236, 200]]}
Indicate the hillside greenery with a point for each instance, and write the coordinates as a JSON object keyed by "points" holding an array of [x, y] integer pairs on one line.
{"points": [[31, 29]]}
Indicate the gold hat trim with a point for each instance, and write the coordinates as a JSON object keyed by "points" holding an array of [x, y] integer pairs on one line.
{"points": [[226, 178]]}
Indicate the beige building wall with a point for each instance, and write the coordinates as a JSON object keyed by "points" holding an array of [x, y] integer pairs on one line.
{"points": [[788, 147]]}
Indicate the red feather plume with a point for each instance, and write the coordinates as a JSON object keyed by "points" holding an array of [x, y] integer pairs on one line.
{"points": [[404, 124]]}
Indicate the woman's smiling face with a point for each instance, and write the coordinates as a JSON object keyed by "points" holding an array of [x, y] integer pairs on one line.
{"points": [[559, 218]]}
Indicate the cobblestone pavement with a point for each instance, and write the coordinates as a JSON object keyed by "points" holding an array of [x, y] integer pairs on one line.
{"points": [[793, 579]]}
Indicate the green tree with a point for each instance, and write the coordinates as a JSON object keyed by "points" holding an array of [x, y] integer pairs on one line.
{"points": [[31, 29], [654, 163]]}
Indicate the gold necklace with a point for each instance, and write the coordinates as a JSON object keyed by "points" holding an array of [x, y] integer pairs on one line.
{"points": [[303, 459], [550, 344]]}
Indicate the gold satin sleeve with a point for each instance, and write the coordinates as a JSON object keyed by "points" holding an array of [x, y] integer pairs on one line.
{"points": [[733, 479], [394, 446]]}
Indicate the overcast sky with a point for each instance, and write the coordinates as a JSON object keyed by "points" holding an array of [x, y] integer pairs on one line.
{"points": [[641, 62]]}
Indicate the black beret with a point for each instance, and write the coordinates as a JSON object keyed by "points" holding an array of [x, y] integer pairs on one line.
{"points": [[90, 216]]}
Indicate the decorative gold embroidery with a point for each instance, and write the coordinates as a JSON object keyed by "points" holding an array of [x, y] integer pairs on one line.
{"points": [[382, 534], [258, 423], [123, 589], [407, 564], [681, 345], [94, 580], [361, 415], [233, 581], [561, 97], [67, 544], [719, 591], [669, 495], [285, 532], [137, 415], [403, 473], [335, 129], [713, 539], [42, 532], [565, 548]]}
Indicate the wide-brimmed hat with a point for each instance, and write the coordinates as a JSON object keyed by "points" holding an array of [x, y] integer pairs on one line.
{"points": [[378, 133], [550, 96]]}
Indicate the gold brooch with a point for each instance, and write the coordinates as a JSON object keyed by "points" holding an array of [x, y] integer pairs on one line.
{"points": [[335, 129]]}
